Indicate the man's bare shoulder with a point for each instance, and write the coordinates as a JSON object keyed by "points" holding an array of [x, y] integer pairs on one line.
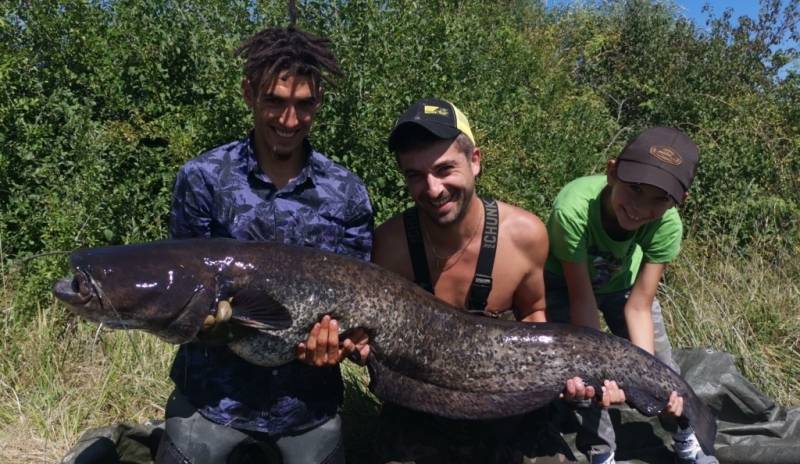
{"points": [[389, 248], [391, 227], [523, 228]]}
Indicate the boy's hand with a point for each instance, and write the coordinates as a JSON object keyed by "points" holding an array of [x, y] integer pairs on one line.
{"points": [[576, 390], [322, 346], [674, 406]]}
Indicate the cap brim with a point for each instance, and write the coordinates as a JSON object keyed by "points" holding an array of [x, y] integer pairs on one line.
{"points": [[639, 173], [439, 130]]}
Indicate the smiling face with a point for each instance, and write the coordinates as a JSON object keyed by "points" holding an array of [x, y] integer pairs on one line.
{"points": [[441, 179], [283, 112], [634, 205]]}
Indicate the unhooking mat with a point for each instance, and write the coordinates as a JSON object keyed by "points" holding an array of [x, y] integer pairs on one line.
{"points": [[752, 428]]}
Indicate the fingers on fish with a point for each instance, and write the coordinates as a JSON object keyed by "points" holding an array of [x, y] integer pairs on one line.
{"points": [[252, 309], [222, 314]]}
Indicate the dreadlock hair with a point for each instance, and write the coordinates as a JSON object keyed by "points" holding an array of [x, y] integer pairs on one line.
{"points": [[275, 50]]}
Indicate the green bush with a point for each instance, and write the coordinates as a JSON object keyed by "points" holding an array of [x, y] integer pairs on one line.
{"points": [[102, 101]]}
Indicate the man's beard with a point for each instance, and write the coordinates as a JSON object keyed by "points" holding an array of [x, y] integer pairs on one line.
{"points": [[462, 202], [281, 155]]}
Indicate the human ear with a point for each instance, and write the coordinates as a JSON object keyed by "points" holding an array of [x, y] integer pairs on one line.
{"points": [[611, 171], [247, 92], [320, 96], [475, 162]]}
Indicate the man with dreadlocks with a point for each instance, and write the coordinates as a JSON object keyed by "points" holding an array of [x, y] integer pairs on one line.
{"points": [[271, 185]]}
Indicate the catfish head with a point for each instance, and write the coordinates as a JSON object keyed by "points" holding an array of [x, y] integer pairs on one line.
{"points": [[155, 287]]}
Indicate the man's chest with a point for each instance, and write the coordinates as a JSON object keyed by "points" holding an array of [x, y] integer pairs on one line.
{"points": [[454, 284], [305, 218]]}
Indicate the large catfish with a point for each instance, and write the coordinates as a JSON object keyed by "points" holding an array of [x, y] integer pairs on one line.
{"points": [[425, 354]]}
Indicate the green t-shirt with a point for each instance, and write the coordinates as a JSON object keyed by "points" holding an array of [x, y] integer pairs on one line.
{"points": [[576, 235]]}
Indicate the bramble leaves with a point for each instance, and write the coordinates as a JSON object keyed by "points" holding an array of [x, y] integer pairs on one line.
{"points": [[102, 101]]}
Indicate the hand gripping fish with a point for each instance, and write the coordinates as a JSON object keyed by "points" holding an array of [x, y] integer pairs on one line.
{"points": [[424, 353]]}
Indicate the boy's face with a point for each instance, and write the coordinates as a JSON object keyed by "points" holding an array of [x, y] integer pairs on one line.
{"points": [[635, 205], [440, 179], [283, 112]]}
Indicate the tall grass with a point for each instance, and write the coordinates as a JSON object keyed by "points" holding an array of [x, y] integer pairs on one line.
{"points": [[60, 376], [742, 302]]}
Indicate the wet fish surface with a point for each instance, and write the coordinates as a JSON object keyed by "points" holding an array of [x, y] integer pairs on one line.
{"points": [[424, 353]]}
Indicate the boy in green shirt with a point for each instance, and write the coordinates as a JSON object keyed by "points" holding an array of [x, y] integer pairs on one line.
{"points": [[611, 238]]}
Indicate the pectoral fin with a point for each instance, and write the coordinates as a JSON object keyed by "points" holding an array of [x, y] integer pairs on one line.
{"points": [[259, 310]]}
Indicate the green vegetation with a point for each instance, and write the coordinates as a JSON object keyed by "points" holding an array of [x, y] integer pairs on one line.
{"points": [[102, 101]]}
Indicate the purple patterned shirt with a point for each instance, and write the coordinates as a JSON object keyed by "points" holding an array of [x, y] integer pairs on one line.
{"points": [[224, 193]]}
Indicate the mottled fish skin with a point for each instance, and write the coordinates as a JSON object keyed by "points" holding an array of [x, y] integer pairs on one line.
{"points": [[425, 354]]}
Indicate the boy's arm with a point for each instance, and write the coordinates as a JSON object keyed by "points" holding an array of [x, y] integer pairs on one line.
{"points": [[638, 314], [582, 304], [639, 318]]}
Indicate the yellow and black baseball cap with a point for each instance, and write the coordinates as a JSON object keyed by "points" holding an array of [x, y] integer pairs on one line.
{"points": [[439, 117]]}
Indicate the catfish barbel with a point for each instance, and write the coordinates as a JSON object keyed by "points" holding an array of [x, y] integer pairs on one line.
{"points": [[424, 353]]}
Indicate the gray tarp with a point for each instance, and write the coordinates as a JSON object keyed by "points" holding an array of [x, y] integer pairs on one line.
{"points": [[752, 428]]}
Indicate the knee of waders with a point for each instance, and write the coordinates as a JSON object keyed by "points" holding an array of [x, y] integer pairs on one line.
{"points": [[251, 451]]}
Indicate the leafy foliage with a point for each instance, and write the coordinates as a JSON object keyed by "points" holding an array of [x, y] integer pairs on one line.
{"points": [[102, 101]]}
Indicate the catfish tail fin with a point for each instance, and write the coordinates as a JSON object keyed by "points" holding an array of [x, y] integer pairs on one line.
{"points": [[702, 420]]}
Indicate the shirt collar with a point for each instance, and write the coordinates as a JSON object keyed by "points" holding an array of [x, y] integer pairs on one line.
{"points": [[315, 165]]}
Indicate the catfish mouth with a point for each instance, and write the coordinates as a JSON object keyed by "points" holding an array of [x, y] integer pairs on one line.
{"points": [[76, 291], [84, 298]]}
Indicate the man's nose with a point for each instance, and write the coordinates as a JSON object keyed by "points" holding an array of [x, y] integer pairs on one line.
{"points": [[642, 208], [288, 118], [435, 186]]}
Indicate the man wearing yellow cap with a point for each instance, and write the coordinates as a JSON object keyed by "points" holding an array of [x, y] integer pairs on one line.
{"points": [[478, 254]]}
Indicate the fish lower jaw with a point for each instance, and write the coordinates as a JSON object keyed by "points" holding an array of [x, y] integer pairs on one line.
{"points": [[121, 324]]}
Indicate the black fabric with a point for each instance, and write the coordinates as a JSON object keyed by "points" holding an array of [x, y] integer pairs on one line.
{"points": [[482, 282], [416, 249], [169, 453], [120, 443]]}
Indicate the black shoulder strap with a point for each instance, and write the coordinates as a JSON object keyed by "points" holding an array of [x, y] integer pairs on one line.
{"points": [[416, 249], [482, 283]]}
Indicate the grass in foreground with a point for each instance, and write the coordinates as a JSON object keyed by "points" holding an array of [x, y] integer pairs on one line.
{"points": [[744, 304], [60, 377]]}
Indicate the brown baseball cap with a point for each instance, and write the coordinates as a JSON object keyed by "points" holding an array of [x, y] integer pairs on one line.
{"points": [[663, 157]]}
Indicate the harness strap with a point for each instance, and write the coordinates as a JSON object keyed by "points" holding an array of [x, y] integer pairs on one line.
{"points": [[416, 249], [482, 282]]}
